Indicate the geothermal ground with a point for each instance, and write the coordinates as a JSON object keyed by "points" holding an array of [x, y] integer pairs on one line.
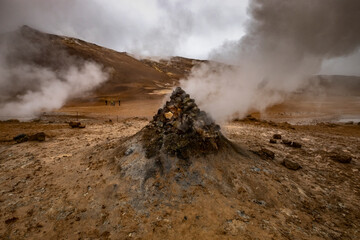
{"points": [[127, 175], [90, 183]]}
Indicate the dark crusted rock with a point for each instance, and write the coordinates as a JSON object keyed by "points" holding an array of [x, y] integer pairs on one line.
{"points": [[272, 141], [291, 143], [286, 142], [37, 137], [277, 136], [340, 157], [129, 151], [296, 145], [76, 125], [180, 129], [21, 138], [265, 154], [291, 164]]}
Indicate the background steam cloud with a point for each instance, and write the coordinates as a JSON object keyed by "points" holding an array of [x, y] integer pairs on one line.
{"points": [[28, 88], [285, 43]]}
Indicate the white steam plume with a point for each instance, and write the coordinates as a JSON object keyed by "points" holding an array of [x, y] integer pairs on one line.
{"points": [[37, 76], [285, 43], [53, 88]]}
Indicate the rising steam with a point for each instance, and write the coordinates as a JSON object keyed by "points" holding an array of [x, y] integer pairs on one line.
{"points": [[285, 43], [37, 76]]}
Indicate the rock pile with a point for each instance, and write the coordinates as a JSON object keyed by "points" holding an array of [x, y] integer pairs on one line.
{"points": [[181, 129]]}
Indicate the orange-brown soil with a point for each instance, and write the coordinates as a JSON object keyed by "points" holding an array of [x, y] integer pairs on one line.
{"points": [[89, 183], [77, 184]]}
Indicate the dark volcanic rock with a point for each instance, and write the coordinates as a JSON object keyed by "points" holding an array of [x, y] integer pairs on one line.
{"points": [[180, 129], [76, 125], [291, 143], [21, 138], [37, 137], [272, 141], [286, 142], [277, 136], [291, 164], [265, 154], [341, 157]]}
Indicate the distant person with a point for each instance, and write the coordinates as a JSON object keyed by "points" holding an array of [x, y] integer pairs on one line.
{"points": [[119, 102], [105, 102]]}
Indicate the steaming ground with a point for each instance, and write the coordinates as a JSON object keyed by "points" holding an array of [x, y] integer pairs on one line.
{"points": [[70, 186], [86, 183]]}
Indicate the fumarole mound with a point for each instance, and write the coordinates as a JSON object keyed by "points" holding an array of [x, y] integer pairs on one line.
{"points": [[180, 129]]}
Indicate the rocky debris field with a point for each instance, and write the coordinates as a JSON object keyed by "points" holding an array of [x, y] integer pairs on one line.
{"points": [[97, 183]]}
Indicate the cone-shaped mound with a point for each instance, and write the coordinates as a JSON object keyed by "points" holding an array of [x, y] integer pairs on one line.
{"points": [[181, 129], [178, 151]]}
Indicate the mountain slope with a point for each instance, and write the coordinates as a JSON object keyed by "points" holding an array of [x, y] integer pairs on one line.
{"points": [[128, 77]]}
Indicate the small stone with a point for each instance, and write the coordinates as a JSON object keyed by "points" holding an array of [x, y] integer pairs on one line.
{"points": [[289, 164], [260, 202], [129, 151], [341, 158], [21, 138], [37, 137], [11, 220], [277, 136], [159, 124], [296, 145], [291, 143], [286, 142], [168, 115], [78, 124], [273, 141], [242, 214], [265, 154]]}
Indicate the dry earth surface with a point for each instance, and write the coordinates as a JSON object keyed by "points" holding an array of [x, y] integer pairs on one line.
{"points": [[75, 184], [96, 183]]}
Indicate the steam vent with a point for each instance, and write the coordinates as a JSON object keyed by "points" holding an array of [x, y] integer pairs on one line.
{"points": [[180, 129]]}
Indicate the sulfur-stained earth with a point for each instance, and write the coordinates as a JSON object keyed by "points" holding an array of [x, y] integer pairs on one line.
{"points": [[96, 183]]}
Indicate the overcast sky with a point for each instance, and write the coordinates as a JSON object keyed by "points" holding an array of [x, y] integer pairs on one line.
{"points": [[190, 28], [149, 27]]}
